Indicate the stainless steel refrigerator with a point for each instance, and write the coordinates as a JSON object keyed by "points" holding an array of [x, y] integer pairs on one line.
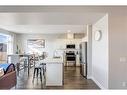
{"points": [[83, 59]]}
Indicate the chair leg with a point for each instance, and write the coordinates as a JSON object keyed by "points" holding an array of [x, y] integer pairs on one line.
{"points": [[44, 71], [40, 75], [37, 73], [41, 78], [34, 74]]}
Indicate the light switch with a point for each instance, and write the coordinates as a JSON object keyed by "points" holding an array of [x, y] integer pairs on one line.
{"points": [[122, 59], [124, 84]]}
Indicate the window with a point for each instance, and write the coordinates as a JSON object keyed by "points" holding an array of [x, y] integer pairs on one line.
{"points": [[8, 41], [9, 44]]}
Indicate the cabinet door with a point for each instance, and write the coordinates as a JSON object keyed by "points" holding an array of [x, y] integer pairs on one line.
{"points": [[54, 74]]}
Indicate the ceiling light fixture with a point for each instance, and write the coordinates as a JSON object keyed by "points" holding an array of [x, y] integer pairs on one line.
{"points": [[69, 34]]}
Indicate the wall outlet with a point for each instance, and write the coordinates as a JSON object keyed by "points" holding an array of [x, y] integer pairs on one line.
{"points": [[124, 84], [122, 59]]}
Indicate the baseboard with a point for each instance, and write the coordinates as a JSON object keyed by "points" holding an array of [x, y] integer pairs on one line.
{"points": [[103, 88], [89, 77]]}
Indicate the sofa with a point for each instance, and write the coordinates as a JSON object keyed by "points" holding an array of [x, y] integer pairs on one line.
{"points": [[8, 80]]}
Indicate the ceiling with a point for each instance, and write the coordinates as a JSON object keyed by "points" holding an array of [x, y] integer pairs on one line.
{"points": [[67, 8], [46, 21], [49, 18], [44, 29]]}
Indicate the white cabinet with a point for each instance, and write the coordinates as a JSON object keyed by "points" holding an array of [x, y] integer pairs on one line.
{"points": [[54, 74], [54, 71]]}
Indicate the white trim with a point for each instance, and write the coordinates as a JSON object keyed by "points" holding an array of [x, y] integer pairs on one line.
{"points": [[89, 77], [103, 88]]}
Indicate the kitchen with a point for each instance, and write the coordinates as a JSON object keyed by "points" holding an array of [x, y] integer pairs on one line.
{"points": [[65, 52]]}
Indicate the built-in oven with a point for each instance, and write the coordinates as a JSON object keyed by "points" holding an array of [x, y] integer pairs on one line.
{"points": [[70, 54], [70, 58]]}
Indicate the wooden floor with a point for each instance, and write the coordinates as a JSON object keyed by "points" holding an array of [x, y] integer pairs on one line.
{"points": [[72, 80]]}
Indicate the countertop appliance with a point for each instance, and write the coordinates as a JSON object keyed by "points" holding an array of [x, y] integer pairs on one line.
{"points": [[70, 46], [83, 58]]}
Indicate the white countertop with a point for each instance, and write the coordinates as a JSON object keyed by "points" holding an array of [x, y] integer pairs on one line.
{"points": [[17, 54], [52, 60]]}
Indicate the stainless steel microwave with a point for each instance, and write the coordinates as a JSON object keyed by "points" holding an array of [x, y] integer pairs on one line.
{"points": [[70, 46]]}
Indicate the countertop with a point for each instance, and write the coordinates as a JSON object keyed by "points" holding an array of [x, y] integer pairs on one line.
{"points": [[52, 60]]}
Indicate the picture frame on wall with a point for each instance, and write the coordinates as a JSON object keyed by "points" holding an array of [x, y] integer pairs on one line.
{"points": [[36, 43]]}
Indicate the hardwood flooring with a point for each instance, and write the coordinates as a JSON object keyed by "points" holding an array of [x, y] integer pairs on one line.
{"points": [[72, 80]]}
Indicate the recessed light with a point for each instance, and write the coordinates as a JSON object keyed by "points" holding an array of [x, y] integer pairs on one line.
{"points": [[68, 31]]}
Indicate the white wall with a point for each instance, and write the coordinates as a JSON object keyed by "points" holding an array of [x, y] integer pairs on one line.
{"points": [[100, 54], [109, 55], [117, 51], [52, 42]]}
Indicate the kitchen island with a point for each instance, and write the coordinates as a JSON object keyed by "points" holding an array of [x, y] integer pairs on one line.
{"points": [[54, 71]]}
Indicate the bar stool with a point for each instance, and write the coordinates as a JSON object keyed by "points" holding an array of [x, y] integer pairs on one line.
{"points": [[38, 71], [43, 69]]}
